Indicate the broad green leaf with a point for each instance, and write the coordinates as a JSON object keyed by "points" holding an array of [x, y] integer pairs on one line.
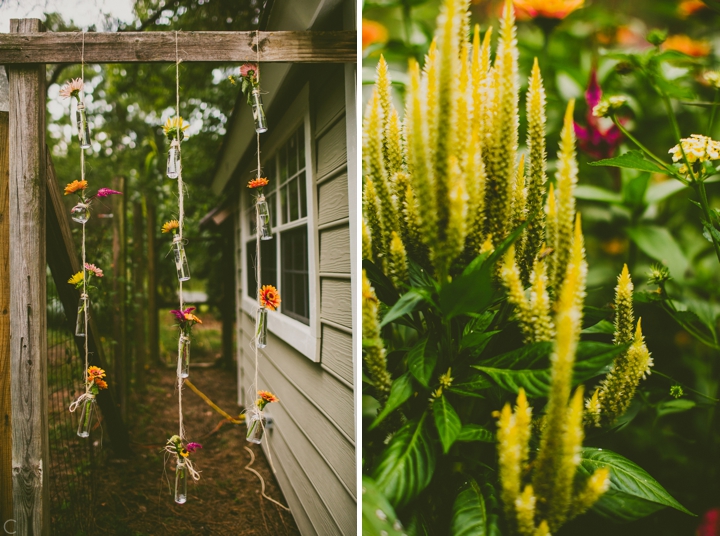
{"points": [[633, 492], [378, 517], [419, 277], [421, 360], [634, 190], [407, 464], [675, 406], [595, 193], [384, 288], [400, 391], [479, 323], [674, 89], [447, 422], [524, 357], [475, 432], [631, 160], [603, 327], [469, 515], [473, 385], [536, 382], [370, 407], [657, 243], [477, 341], [407, 303], [662, 190]]}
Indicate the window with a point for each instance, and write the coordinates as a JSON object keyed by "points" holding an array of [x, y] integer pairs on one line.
{"points": [[285, 257]]}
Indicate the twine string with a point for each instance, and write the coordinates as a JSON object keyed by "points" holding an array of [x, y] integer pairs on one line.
{"points": [[181, 217]]}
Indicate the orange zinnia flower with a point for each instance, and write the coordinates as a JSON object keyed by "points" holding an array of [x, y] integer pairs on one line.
{"points": [[549, 9], [690, 7], [373, 32], [686, 45], [170, 225], [258, 183], [190, 316], [74, 186], [96, 372], [102, 384], [267, 396], [269, 297]]}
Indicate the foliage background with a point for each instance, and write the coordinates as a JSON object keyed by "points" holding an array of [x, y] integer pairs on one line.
{"points": [[677, 441]]}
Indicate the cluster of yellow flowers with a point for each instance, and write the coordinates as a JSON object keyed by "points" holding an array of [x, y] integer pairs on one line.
{"points": [[606, 106], [697, 148]]}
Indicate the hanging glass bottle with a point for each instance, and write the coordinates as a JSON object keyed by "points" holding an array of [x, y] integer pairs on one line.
{"points": [[173, 160], [263, 215], [184, 356], [80, 212], [258, 112], [255, 425], [83, 305], [261, 335], [181, 263], [82, 126], [181, 482], [86, 416]]}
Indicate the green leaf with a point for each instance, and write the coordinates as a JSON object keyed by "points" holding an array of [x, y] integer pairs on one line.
{"points": [[657, 243], [634, 190], [469, 515], [633, 492], [631, 160], [421, 360], [370, 407], [477, 341], [603, 327], [662, 190], [407, 303], [475, 432], [400, 391], [524, 357], [472, 386], [378, 517], [447, 422], [595, 193], [675, 406], [674, 89], [407, 464], [384, 288]]}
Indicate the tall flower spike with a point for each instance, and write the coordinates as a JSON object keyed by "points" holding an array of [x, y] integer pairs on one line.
{"points": [[543, 530], [475, 180], [366, 243], [393, 145], [383, 87], [500, 155], [578, 263], [400, 183], [430, 98], [417, 141], [480, 77], [566, 178], [462, 107], [375, 168], [551, 238], [624, 316], [372, 342], [519, 203], [510, 276], [451, 245], [539, 306], [525, 508], [533, 235], [371, 208], [596, 485], [416, 247], [397, 262]]}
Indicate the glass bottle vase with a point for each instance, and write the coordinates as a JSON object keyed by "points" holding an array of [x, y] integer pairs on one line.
{"points": [[80, 212], [181, 478], [181, 263], [86, 416], [261, 335], [255, 421], [83, 305], [82, 126], [173, 160], [184, 356], [258, 112], [263, 218]]}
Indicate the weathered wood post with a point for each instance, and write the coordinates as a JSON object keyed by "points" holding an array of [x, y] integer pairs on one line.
{"points": [[138, 294], [28, 338], [152, 308]]}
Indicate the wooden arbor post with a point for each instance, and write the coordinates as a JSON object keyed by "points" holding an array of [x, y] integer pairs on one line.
{"points": [[28, 338]]}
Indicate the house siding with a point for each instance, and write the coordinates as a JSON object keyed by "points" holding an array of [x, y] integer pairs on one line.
{"points": [[312, 440]]}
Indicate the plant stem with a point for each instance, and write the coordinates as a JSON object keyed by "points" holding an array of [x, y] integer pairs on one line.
{"points": [[685, 386], [711, 123], [641, 146]]}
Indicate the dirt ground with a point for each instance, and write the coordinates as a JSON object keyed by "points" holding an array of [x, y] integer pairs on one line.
{"points": [[135, 496]]}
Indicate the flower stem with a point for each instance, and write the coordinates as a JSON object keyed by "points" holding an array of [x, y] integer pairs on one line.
{"points": [[642, 147], [699, 187], [711, 123]]}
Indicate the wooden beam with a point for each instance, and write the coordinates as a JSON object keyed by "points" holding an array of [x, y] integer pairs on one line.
{"points": [[144, 47], [152, 309], [28, 323], [6, 505], [64, 262]]}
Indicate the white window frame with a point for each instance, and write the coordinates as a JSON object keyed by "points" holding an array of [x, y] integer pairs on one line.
{"points": [[302, 337]]}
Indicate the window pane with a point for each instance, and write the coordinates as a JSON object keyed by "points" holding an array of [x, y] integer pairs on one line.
{"points": [[269, 172], [268, 254], [293, 199], [284, 203], [282, 153], [303, 196], [292, 155], [272, 204], [301, 147], [295, 274]]}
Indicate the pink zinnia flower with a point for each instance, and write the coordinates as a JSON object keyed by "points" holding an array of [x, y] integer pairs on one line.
{"points": [[601, 137], [104, 192], [247, 68], [72, 89], [97, 272]]}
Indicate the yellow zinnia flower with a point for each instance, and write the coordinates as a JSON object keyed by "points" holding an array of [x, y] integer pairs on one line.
{"points": [[170, 225], [77, 278], [172, 124], [74, 186]]}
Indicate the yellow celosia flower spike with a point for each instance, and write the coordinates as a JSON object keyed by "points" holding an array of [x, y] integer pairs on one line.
{"points": [[372, 342]]}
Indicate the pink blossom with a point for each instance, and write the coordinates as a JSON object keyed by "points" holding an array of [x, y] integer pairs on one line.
{"points": [[104, 192], [192, 447], [72, 89], [710, 525], [601, 137], [247, 68], [97, 272]]}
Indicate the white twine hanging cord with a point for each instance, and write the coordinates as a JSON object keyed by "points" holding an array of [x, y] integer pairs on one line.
{"points": [[258, 281], [87, 395]]}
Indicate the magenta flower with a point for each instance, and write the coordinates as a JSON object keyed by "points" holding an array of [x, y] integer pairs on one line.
{"points": [[104, 192], [710, 525], [192, 447], [601, 137], [247, 68], [180, 315]]}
